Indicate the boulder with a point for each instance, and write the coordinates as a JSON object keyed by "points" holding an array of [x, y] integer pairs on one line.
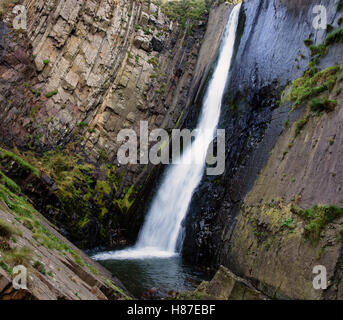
{"points": [[227, 286], [141, 42], [144, 18]]}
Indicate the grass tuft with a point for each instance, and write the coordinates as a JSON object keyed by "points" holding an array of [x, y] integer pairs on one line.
{"points": [[317, 219], [7, 230], [324, 104]]}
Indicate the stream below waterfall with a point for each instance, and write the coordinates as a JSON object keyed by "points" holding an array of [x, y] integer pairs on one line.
{"points": [[165, 274]]}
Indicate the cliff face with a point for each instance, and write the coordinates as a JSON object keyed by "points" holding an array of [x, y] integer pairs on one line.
{"points": [[81, 72], [281, 157], [54, 268], [84, 70]]}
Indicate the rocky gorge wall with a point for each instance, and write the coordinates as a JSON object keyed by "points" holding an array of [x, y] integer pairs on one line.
{"points": [[282, 156], [84, 70], [81, 72]]}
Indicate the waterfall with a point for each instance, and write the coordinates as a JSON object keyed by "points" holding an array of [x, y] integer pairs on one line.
{"points": [[163, 223]]}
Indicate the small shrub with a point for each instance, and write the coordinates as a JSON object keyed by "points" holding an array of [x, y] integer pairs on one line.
{"points": [[46, 62], [102, 155], [320, 50], [154, 62], [7, 230], [146, 31], [300, 126], [313, 83], [9, 183], [163, 88], [17, 256], [317, 219], [36, 92], [78, 259], [289, 223], [308, 42], [51, 93], [39, 267], [93, 270], [335, 36], [5, 267], [329, 28], [8, 154], [325, 104], [82, 125]]}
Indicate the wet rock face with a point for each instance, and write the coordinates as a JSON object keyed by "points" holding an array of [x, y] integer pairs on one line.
{"points": [[269, 52]]}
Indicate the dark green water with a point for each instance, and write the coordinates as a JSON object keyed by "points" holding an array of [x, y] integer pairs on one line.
{"points": [[164, 274]]}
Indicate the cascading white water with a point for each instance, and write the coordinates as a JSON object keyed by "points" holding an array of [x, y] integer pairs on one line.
{"points": [[160, 232]]}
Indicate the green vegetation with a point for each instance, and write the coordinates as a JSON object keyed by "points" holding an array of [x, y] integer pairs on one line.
{"points": [[27, 215], [269, 242], [324, 104], [51, 93], [6, 6], [82, 125], [340, 6], [289, 223], [308, 42], [39, 267], [124, 204], [37, 92], [154, 62], [329, 28], [185, 10], [300, 126], [9, 183], [310, 86], [81, 193], [46, 62], [315, 86], [16, 256], [317, 219], [102, 155], [331, 141], [7, 230], [162, 89], [117, 290], [78, 259], [334, 37], [25, 165], [92, 269], [146, 31]]}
